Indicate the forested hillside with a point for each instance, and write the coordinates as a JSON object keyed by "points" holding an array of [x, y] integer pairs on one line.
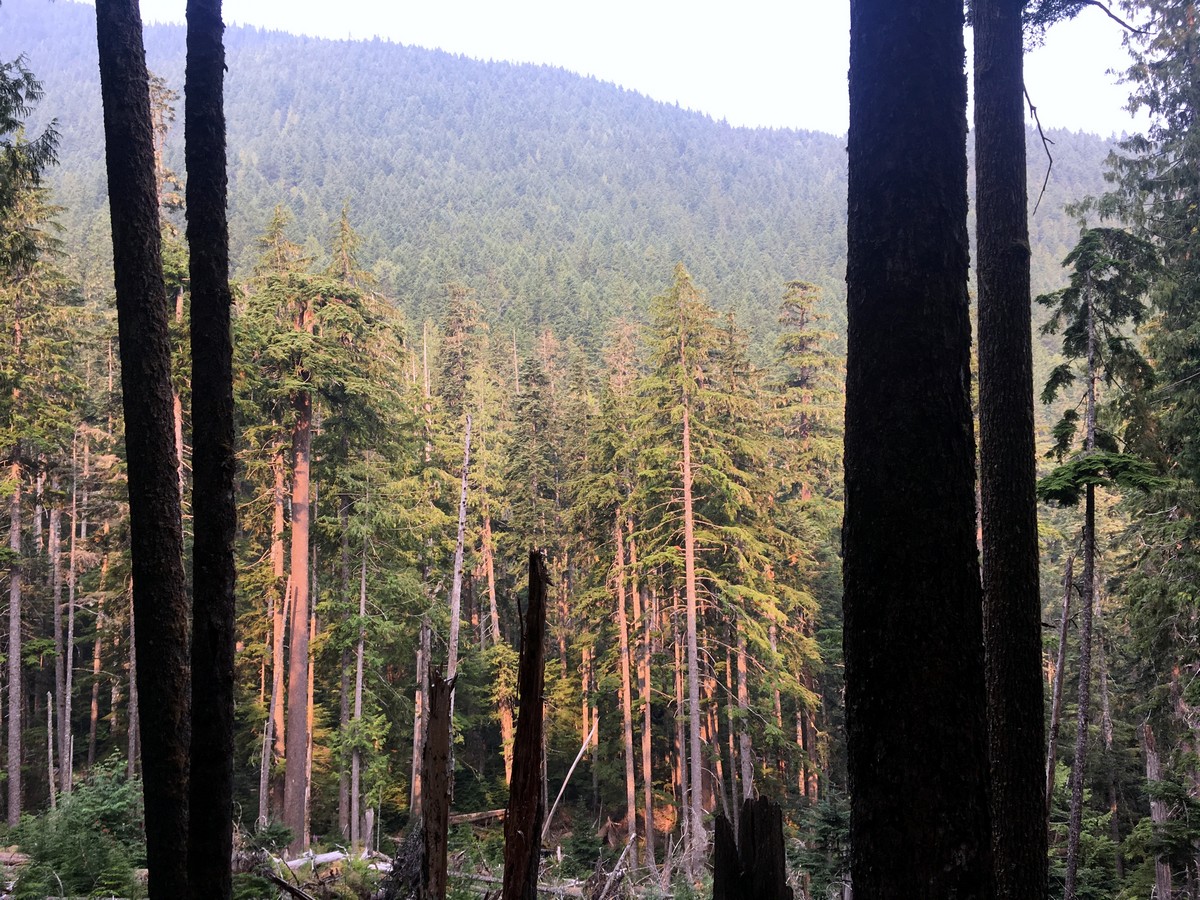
{"points": [[482, 307], [561, 199]]}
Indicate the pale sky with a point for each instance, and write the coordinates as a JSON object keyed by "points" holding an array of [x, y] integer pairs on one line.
{"points": [[755, 62]]}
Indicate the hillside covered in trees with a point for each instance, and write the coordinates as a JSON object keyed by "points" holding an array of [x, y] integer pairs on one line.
{"points": [[481, 307]]}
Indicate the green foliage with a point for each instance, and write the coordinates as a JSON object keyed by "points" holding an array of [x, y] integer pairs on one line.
{"points": [[1068, 482], [91, 843]]}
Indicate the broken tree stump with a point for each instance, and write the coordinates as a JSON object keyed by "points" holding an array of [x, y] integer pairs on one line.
{"points": [[435, 781], [755, 866], [526, 807]]}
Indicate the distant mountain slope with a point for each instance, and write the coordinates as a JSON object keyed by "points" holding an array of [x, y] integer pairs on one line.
{"points": [[563, 200]]}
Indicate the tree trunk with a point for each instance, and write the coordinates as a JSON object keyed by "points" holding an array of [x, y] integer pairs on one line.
{"points": [[54, 551], [14, 650], [435, 773], [214, 461], [296, 754], [505, 703], [97, 668], [51, 778], [68, 759], [697, 839], [1106, 730], [743, 700], [156, 541], [526, 807], [356, 761], [1158, 813], [1011, 590], [754, 868], [1059, 678], [459, 548], [280, 614], [626, 688], [913, 625], [1087, 607], [641, 619], [420, 720], [683, 809], [344, 689]]}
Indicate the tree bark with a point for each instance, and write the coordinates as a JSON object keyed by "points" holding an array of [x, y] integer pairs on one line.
{"points": [[296, 753], [1087, 607], [745, 751], [697, 839], [54, 551], [641, 621], [914, 669], [1159, 813], [1059, 679], [344, 673], [755, 867], [280, 613], [1011, 590], [435, 773], [214, 461], [526, 806], [356, 760], [156, 540], [14, 649], [420, 720], [505, 703], [626, 688]]}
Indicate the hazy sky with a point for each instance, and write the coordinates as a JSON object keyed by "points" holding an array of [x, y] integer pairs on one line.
{"points": [[755, 62]]}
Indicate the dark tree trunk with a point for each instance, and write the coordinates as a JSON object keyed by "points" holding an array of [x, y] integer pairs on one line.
{"points": [[755, 868], [156, 539], [210, 839], [1011, 591], [435, 774], [915, 695], [1084, 699], [526, 808], [1057, 693], [14, 651]]}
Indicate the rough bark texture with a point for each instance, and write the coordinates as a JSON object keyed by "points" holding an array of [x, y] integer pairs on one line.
{"points": [[915, 695], [1159, 813], [214, 510], [156, 540], [526, 807], [295, 789], [279, 618], [1011, 591], [435, 773], [754, 868]]}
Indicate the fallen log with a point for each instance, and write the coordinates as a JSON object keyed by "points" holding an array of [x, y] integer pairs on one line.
{"points": [[477, 818]]}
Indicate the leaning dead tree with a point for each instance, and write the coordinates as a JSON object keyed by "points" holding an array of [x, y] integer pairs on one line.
{"points": [[526, 808], [754, 866]]}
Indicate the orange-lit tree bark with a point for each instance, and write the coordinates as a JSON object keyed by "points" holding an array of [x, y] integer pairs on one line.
{"points": [[626, 681], [915, 695], [295, 781], [214, 511], [1008, 505], [156, 539]]}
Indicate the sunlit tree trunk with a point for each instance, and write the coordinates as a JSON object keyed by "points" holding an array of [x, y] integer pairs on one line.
{"points": [[296, 754], [281, 595]]}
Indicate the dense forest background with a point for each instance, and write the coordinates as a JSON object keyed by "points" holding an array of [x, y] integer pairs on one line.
{"points": [[492, 294]]}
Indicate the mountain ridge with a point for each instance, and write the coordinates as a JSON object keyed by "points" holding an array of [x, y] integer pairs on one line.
{"points": [[562, 199]]}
